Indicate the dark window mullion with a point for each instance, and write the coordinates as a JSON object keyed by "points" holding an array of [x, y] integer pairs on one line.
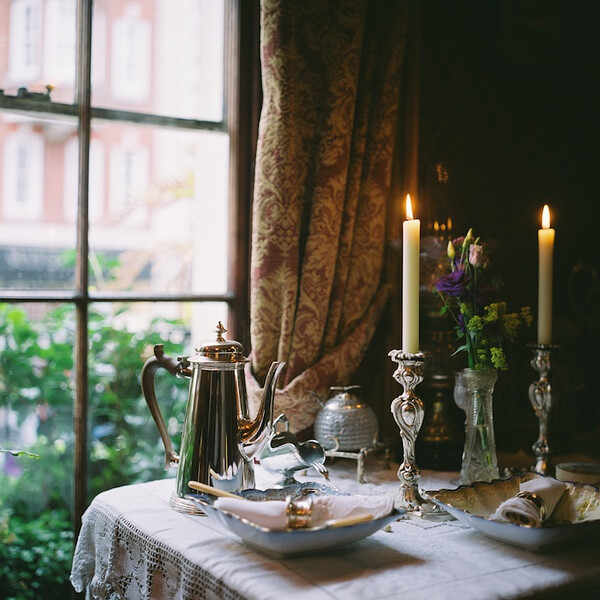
{"points": [[39, 296], [113, 114], [95, 296], [83, 98], [241, 108], [156, 297], [54, 110]]}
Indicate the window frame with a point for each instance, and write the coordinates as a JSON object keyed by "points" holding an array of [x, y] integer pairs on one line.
{"points": [[240, 120]]}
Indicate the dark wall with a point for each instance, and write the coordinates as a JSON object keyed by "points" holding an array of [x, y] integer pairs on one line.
{"points": [[509, 101]]}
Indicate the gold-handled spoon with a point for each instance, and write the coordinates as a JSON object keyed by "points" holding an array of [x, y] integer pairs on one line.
{"points": [[209, 489]]}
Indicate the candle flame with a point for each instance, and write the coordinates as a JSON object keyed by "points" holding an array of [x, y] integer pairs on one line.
{"points": [[409, 212], [546, 217]]}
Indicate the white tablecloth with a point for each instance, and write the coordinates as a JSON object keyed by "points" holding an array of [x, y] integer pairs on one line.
{"points": [[133, 545]]}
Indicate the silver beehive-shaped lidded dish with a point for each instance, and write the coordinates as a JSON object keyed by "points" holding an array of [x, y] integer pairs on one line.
{"points": [[346, 422]]}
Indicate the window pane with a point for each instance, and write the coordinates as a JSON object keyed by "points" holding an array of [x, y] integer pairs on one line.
{"points": [[159, 56], [60, 41], [39, 36], [160, 209], [37, 229], [36, 416], [125, 445]]}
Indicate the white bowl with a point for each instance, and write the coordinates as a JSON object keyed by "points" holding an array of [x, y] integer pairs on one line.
{"points": [[290, 542], [575, 519]]}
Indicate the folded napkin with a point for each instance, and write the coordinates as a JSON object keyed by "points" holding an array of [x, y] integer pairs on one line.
{"points": [[538, 499], [272, 513]]}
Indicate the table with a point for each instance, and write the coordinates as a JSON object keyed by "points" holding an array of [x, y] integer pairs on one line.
{"points": [[133, 545]]}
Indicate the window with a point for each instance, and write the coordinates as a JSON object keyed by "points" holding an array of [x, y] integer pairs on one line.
{"points": [[129, 180], [107, 206], [24, 175], [131, 46], [59, 56], [96, 186], [24, 40]]}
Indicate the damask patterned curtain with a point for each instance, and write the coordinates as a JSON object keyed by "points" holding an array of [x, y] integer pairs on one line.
{"points": [[331, 83]]}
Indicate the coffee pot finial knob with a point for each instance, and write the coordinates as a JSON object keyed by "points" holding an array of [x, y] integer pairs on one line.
{"points": [[220, 330]]}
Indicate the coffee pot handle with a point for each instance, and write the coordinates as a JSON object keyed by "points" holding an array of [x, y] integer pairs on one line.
{"points": [[175, 367]]}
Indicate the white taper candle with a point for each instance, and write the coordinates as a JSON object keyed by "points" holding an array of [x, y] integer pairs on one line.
{"points": [[411, 229], [546, 251]]}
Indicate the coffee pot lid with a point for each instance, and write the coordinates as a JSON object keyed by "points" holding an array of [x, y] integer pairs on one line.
{"points": [[219, 350]]}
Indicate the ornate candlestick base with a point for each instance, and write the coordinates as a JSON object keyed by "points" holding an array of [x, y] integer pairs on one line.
{"points": [[540, 395], [408, 412]]}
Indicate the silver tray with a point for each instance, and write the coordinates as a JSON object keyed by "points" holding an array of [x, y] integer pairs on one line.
{"points": [[575, 519], [290, 542]]}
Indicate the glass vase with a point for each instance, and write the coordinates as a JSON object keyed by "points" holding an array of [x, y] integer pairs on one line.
{"points": [[460, 391], [479, 461]]}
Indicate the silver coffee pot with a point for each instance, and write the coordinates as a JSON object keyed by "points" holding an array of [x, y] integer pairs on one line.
{"points": [[219, 439]]}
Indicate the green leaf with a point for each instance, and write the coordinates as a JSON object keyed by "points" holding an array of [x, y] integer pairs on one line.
{"points": [[20, 453]]}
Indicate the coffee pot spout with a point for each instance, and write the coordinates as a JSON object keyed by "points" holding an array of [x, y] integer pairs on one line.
{"points": [[255, 432]]}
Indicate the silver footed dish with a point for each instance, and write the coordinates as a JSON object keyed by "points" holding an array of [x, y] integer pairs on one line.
{"points": [[290, 542], [575, 519]]}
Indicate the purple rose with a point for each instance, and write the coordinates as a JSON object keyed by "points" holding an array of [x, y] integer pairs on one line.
{"points": [[453, 284]]}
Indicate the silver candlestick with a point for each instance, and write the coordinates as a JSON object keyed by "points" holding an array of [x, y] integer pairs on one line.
{"points": [[408, 412], [540, 395]]}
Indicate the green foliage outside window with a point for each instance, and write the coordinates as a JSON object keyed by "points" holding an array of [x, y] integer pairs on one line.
{"points": [[37, 376]]}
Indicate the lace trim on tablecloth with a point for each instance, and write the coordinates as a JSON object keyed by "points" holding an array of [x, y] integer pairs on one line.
{"points": [[109, 564]]}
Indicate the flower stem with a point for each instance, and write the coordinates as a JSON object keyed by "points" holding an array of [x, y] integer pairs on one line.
{"points": [[483, 434]]}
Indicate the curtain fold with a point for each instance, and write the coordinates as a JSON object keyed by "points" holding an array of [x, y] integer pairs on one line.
{"points": [[331, 85]]}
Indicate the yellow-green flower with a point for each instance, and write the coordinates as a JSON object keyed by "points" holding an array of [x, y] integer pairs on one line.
{"points": [[498, 358], [511, 323], [526, 316], [482, 359], [491, 313], [475, 323], [466, 310]]}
